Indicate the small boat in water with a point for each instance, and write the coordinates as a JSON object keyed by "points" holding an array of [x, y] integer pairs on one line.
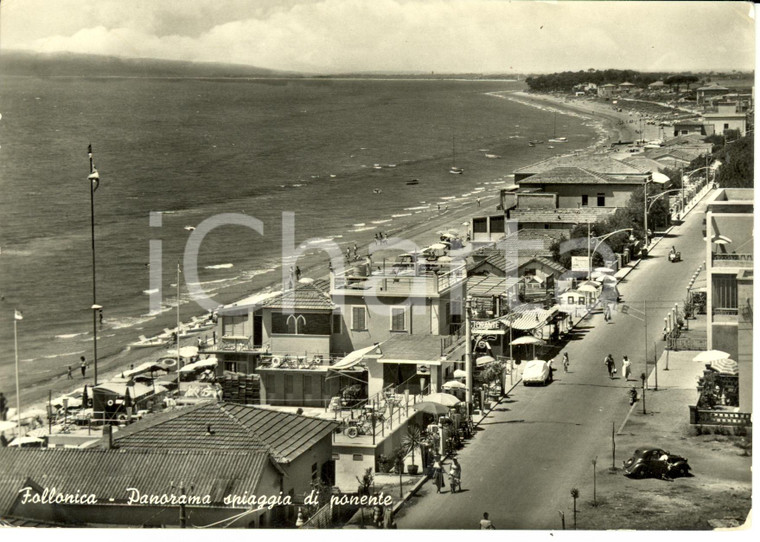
{"points": [[454, 169], [492, 156], [377, 191], [531, 144], [412, 182]]}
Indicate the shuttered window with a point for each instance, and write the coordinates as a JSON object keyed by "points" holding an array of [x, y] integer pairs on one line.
{"points": [[398, 319], [358, 318], [724, 292]]}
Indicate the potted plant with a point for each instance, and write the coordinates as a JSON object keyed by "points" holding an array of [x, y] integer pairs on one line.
{"points": [[412, 440]]}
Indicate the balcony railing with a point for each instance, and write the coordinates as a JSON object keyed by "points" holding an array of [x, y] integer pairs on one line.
{"points": [[401, 279], [732, 260]]}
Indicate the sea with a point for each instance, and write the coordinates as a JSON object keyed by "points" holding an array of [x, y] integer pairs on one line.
{"points": [[337, 153]]}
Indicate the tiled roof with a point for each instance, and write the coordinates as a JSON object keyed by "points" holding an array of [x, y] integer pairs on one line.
{"points": [[304, 296], [234, 427], [688, 139], [644, 162], [551, 264], [680, 154], [489, 286], [405, 347], [600, 163], [108, 473], [578, 175], [562, 215], [187, 429], [286, 433]]}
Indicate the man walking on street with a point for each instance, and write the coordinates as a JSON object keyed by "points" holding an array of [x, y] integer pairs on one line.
{"points": [[610, 363], [69, 376], [83, 366], [486, 523]]}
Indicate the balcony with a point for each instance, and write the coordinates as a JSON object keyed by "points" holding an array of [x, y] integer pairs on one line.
{"points": [[399, 280], [732, 260]]}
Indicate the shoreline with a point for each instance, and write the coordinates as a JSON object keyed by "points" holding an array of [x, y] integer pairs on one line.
{"points": [[422, 231]]}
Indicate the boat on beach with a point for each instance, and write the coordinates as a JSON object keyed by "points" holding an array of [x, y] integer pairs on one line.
{"points": [[148, 343]]}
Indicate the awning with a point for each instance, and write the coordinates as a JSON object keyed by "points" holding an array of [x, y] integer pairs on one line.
{"points": [[435, 363], [198, 365], [531, 319], [353, 358]]}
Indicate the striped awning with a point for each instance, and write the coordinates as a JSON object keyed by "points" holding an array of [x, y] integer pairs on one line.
{"points": [[533, 318]]}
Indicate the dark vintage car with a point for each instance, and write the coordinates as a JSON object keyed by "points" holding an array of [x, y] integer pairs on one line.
{"points": [[657, 463]]}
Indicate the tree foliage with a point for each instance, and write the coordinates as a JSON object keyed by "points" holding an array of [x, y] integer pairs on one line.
{"points": [[738, 159]]}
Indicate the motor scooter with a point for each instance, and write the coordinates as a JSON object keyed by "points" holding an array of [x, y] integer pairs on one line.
{"points": [[674, 257], [633, 396]]}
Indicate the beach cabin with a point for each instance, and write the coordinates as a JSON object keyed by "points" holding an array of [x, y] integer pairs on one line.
{"points": [[120, 399]]}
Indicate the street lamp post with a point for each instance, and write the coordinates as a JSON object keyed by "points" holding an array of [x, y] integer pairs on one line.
{"points": [[93, 179], [468, 352]]}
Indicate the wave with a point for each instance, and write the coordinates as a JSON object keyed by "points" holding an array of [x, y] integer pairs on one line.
{"points": [[208, 282], [53, 356], [448, 197], [382, 221], [401, 214], [359, 225], [417, 208], [153, 291], [356, 230], [71, 335], [219, 266]]}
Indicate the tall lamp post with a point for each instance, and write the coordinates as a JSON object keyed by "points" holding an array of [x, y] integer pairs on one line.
{"points": [[94, 180], [599, 241], [648, 207]]}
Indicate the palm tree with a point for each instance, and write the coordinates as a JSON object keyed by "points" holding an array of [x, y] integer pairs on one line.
{"points": [[412, 440]]}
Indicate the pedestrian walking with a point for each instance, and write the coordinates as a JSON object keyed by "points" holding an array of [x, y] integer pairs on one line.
{"points": [[478, 200], [69, 376], [609, 361], [607, 314], [298, 273], [565, 361], [438, 474], [83, 366], [486, 523], [100, 315], [456, 476], [348, 254], [626, 368], [3, 407], [550, 364], [356, 251]]}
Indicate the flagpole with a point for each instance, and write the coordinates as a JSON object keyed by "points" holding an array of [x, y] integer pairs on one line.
{"points": [[92, 236], [178, 330], [18, 388]]}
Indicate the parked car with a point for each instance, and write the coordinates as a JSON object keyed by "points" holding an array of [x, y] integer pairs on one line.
{"points": [[536, 371], [657, 463]]}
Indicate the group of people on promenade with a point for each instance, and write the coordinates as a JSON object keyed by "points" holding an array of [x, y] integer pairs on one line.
{"points": [[609, 362], [455, 475]]}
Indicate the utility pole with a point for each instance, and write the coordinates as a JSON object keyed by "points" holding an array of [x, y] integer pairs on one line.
{"points": [[182, 510], [468, 352]]}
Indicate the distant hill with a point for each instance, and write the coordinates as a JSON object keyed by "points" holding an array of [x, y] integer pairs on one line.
{"points": [[71, 64]]}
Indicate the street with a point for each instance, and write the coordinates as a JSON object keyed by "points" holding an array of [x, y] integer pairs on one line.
{"points": [[538, 444]]}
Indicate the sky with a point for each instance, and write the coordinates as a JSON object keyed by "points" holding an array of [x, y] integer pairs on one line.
{"points": [[442, 36]]}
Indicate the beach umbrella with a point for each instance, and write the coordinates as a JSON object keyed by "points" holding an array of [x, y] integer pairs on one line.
{"points": [[445, 399], [660, 178], [430, 407], [710, 356], [438, 246], [454, 385], [484, 360], [726, 366], [604, 270], [459, 373], [609, 279], [587, 288], [445, 259], [305, 280]]}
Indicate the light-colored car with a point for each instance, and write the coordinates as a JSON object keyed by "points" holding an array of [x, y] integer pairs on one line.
{"points": [[536, 371]]}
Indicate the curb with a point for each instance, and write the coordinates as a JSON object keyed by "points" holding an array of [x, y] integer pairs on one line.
{"points": [[400, 504]]}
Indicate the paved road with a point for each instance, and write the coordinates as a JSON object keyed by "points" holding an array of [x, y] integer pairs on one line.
{"points": [[538, 444]]}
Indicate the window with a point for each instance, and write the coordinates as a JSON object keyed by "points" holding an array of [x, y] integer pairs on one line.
{"points": [[480, 225], [358, 457], [497, 224], [725, 295], [600, 200], [398, 319], [359, 318], [584, 200], [233, 325], [301, 324], [230, 366], [725, 126]]}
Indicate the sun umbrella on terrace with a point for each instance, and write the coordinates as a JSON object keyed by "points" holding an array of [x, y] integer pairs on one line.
{"points": [[726, 366], [445, 399], [430, 407], [711, 356], [454, 384], [459, 373], [484, 360], [438, 246], [604, 270]]}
